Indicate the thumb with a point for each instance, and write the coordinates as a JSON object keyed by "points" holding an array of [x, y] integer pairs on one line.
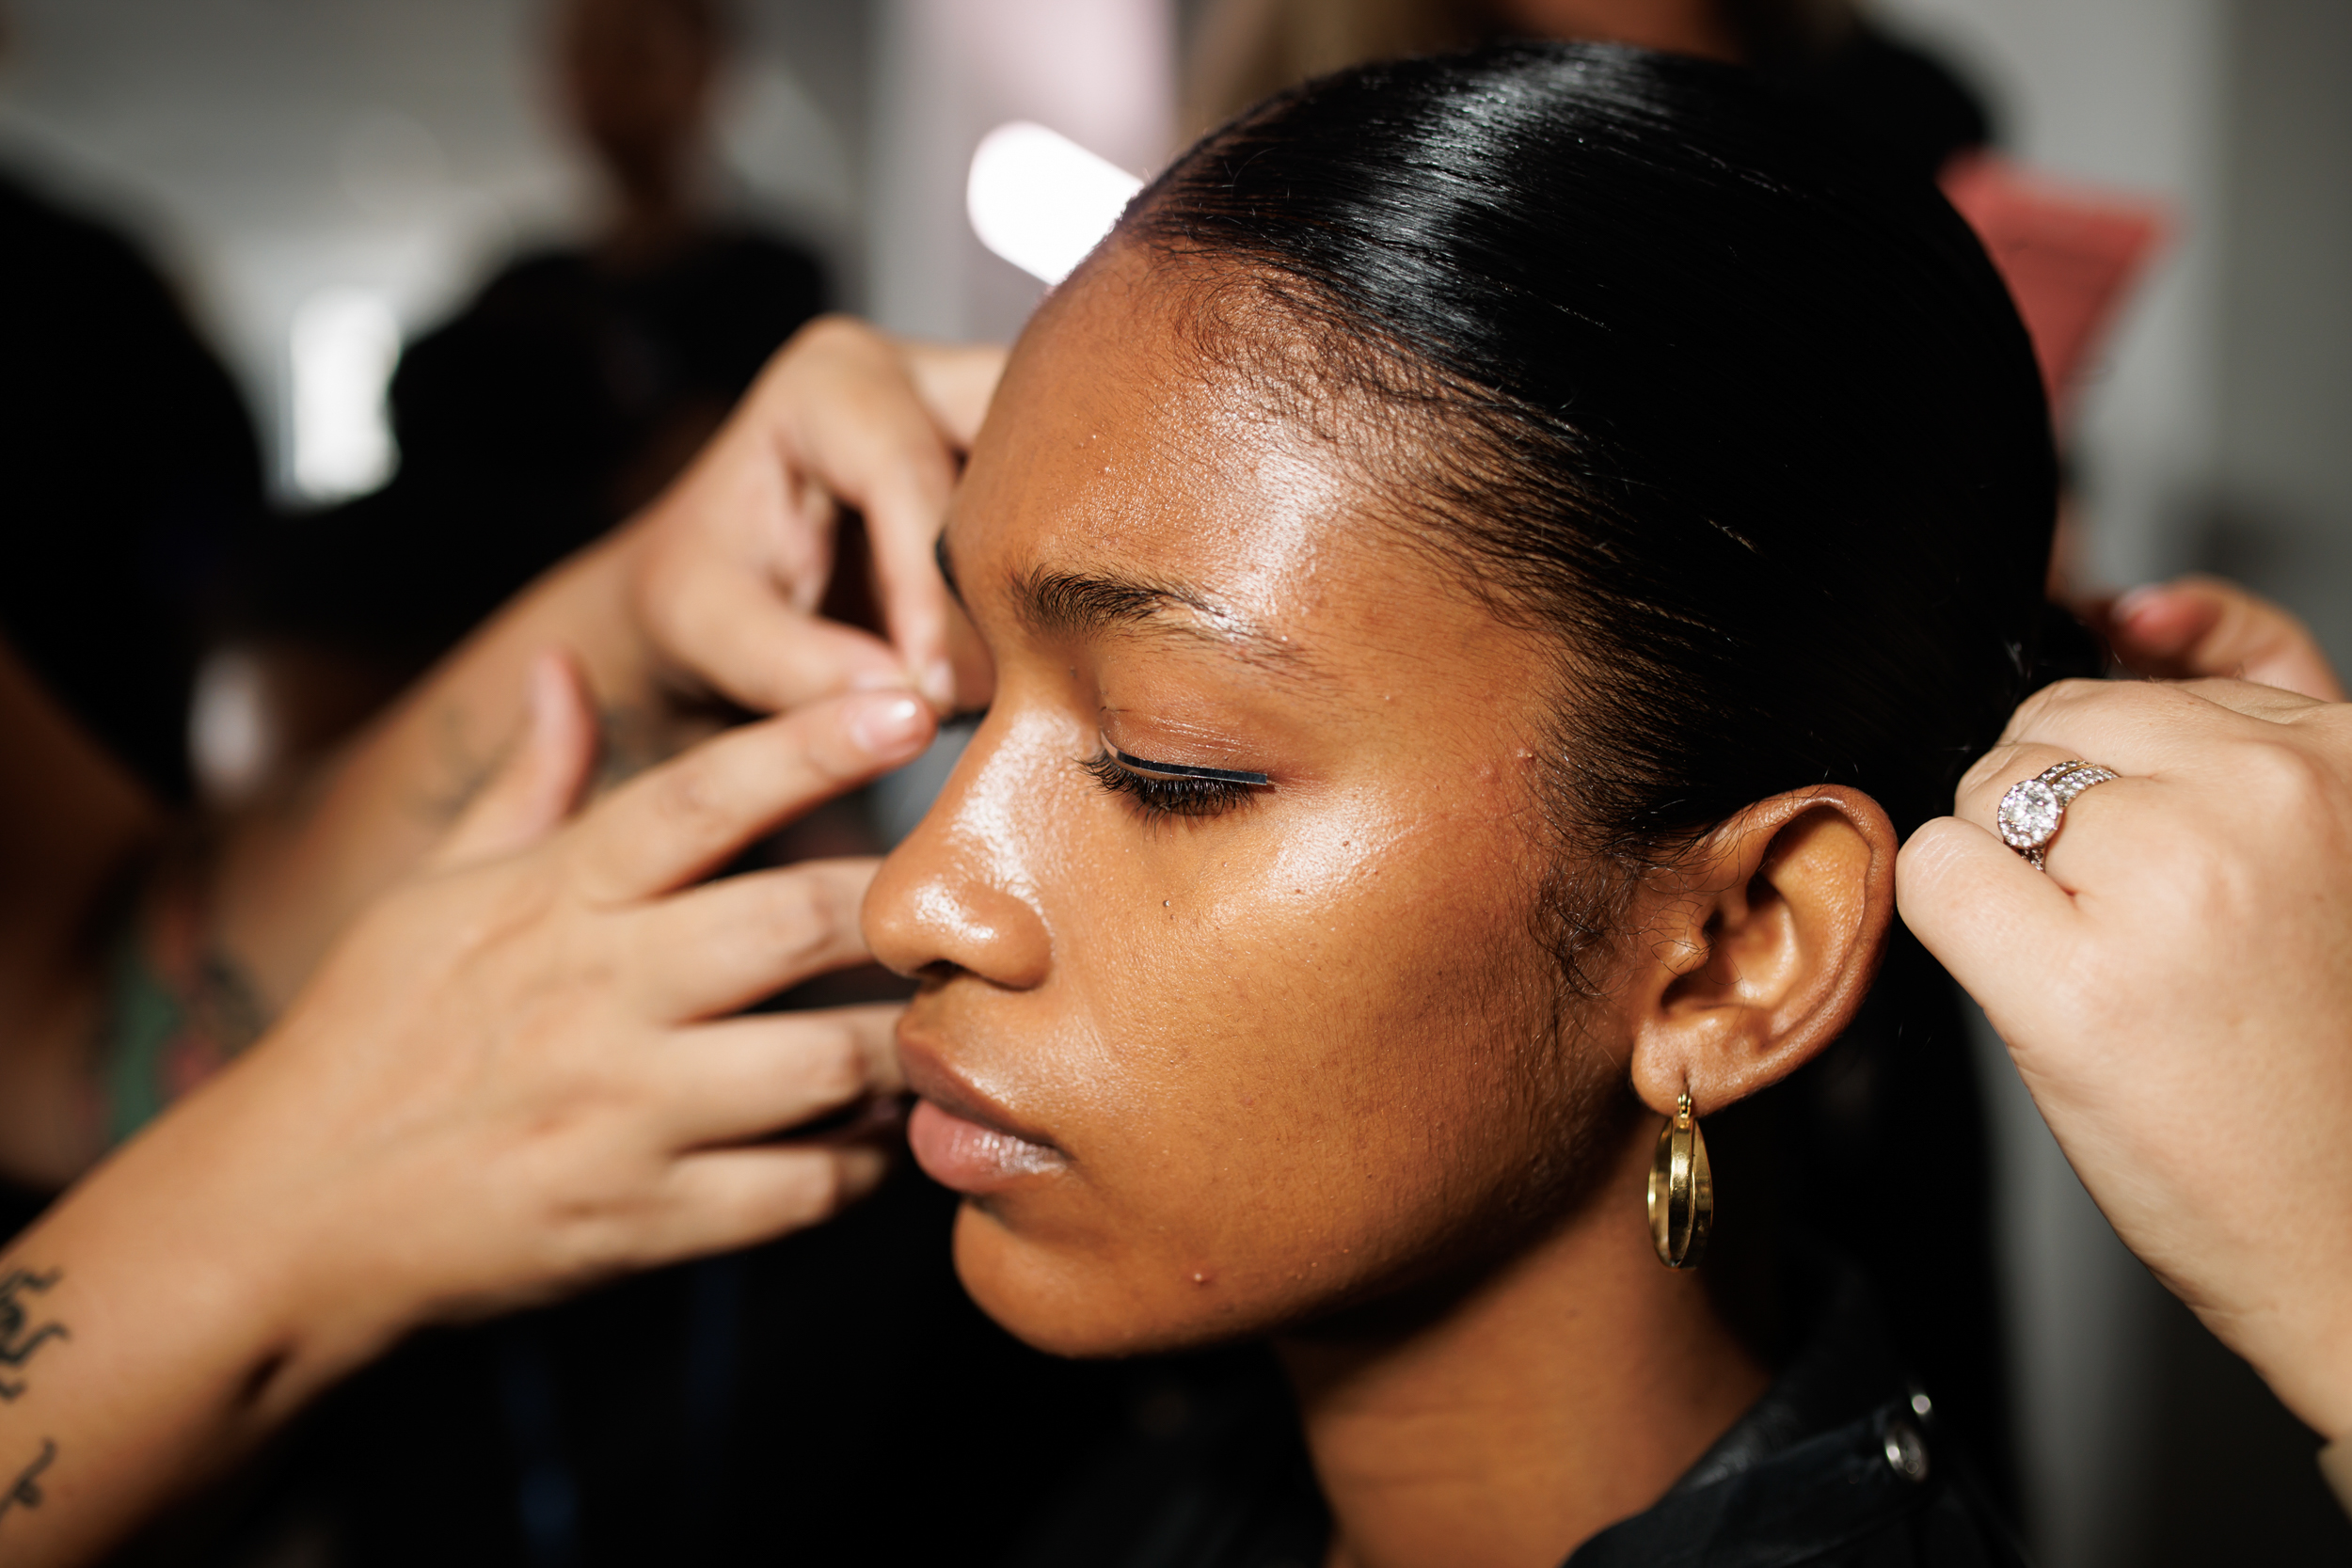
{"points": [[540, 779], [1999, 928], [2198, 626]]}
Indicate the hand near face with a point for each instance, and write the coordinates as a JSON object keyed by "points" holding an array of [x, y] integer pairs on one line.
{"points": [[712, 592], [728, 566], [522, 1070], [527, 1064], [2177, 992]]}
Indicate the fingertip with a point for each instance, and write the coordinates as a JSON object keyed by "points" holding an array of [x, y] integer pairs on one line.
{"points": [[888, 726], [2165, 618], [1970, 900], [2129, 604], [1924, 863], [937, 683]]}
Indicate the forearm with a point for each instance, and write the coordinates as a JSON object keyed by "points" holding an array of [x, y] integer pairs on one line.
{"points": [[149, 1336]]}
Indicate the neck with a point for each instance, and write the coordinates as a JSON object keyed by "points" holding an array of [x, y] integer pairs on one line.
{"points": [[1565, 1393]]}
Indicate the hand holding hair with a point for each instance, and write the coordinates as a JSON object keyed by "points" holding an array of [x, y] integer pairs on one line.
{"points": [[2177, 994], [519, 1072]]}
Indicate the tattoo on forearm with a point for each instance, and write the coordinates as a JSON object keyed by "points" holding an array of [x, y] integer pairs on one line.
{"points": [[19, 1338], [24, 1491], [178, 1007]]}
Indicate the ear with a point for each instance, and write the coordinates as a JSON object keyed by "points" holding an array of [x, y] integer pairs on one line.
{"points": [[1761, 949]]}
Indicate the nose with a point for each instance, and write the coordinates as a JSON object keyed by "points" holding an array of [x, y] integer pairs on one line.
{"points": [[948, 897]]}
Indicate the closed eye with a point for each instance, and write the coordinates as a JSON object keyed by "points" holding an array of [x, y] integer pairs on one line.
{"points": [[1172, 788]]}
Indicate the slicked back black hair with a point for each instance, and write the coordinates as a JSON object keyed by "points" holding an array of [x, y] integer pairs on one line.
{"points": [[1753, 422], [1744, 415]]}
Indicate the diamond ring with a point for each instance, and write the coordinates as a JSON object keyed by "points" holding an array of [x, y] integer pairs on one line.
{"points": [[2032, 810]]}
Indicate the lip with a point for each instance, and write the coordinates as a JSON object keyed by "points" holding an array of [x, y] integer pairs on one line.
{"points": [[963, 1139]]}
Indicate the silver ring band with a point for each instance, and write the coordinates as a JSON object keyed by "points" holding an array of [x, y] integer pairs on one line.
{"points": [[2034, 810]]}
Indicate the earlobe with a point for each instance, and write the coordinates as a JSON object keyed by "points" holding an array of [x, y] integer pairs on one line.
{"points": [[1764, 947]]}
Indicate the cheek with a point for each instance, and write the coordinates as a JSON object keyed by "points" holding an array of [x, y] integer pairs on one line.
{"points": [[1302, 1051]]}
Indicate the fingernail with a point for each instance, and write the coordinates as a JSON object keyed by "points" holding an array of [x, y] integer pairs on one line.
{"points": [[2129, 604], [887, 727], [939, 684], [884, 677]]}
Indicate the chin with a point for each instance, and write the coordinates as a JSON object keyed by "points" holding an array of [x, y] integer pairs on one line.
{"points": [[1075, 1302]]}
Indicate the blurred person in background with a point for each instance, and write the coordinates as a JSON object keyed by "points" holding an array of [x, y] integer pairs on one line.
{"points": [[131, 467], [574, 385]]}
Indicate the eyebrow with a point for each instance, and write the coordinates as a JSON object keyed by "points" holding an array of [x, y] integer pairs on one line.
{"points": [[1086, 604]]}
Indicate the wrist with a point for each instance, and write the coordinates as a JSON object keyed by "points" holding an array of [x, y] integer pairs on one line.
{"points": [[233, 1197], [592, 611]]}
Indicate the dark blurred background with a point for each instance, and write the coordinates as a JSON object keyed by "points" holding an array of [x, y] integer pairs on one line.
{"points": [[329, 322]]}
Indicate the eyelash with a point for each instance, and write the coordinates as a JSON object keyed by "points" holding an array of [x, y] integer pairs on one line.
{"points": [[1177, 796]]}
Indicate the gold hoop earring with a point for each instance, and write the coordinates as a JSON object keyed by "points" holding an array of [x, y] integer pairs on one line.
{"points": [[1681, 1190]]}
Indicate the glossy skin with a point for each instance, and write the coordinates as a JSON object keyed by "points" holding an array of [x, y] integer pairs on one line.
{"points": [[1204, 1074], [1295, 1060], [1311, 949]]}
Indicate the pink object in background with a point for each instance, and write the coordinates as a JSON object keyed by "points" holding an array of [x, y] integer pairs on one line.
{"points": [[2069, 254]]}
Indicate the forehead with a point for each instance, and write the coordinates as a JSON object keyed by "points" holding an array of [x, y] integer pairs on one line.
{"points": [[1118, 447]]}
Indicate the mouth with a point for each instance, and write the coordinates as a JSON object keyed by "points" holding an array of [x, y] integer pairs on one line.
{"points": [[963, 1140]]}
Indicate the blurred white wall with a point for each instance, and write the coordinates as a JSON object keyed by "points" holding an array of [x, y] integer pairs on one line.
{"points": [[2281, 513]]}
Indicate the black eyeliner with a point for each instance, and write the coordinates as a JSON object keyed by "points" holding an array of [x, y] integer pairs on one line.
{"points": [[1186, 770]]}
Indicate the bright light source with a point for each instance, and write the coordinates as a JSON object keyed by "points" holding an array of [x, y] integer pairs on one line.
{"points": [[1040, 200], [345, 343]]}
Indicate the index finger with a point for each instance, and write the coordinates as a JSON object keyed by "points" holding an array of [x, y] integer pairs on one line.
{"points": [[680, 821], [870, 439]]}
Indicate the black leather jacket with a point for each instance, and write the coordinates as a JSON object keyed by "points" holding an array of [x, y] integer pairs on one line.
{"points": [[1840, 1465]]}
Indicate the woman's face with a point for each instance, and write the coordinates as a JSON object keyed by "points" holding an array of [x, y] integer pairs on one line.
{"points": [[1209, 1057]]}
